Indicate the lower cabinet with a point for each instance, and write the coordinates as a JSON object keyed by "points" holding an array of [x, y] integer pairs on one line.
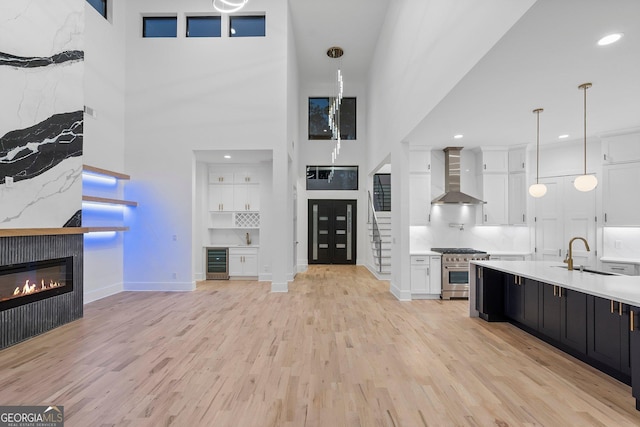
{"points": [[521, 300], [425, 276], [490, 294], [243, 262], [608, 333], [599, 331], [563, 316]]}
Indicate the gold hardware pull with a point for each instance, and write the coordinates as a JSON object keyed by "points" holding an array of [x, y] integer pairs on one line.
{"points": [[555, 291], [560, 291], [611, 306], [619, 309], [631, 320]]}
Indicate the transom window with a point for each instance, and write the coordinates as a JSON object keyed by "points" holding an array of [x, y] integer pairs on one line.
{"points": [[203, 26], [159, 26], [247, 26]]}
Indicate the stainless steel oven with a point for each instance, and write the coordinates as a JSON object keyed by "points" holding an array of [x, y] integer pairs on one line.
{"points": [[455, 270]]}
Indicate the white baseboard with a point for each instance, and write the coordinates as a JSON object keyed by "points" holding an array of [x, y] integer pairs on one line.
{"points": [[264, 277], [106, 291], [160, 286], [302, 267], [425, 296], [279, 287], [399, 294]]}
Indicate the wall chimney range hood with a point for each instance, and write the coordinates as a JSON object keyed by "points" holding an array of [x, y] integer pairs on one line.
{"points": [[452, 194]]}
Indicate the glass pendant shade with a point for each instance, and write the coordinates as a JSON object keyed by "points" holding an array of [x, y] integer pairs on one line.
{"points": [[537, 190], [585, 182]]}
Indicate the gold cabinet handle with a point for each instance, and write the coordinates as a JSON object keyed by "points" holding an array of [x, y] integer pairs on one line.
{"points": [[619, 309], [560, 291], [555, 290], [631, 320], [611, 306]]}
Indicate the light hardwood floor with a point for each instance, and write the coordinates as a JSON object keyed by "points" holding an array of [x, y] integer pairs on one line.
{"points": [[337, 350]]}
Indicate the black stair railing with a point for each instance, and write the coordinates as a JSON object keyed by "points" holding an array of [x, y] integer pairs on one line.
{"points": [[382, 192]]}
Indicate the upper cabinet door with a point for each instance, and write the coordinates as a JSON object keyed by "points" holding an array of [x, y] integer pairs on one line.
{"points": [[220, 177], [621, 205], [621, 148], [495, 194], [517, 160], [494, 161]]}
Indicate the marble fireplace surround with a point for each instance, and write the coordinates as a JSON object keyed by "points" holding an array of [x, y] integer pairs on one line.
{"points": [[32, 319]]}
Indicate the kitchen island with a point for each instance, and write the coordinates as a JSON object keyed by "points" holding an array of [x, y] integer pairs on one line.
{"points": [[593, 317]]}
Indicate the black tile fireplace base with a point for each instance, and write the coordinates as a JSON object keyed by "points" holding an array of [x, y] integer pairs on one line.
{"points": [[26, 321]]}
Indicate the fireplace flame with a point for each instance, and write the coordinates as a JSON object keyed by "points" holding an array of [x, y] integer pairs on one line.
{"points": [[32, 288]]}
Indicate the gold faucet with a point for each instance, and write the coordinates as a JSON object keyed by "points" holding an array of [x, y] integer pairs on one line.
{"points": [[569, 259]]}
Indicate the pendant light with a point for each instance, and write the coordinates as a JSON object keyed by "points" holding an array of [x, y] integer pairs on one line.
{"points": [[585, 182], [537, 189]]}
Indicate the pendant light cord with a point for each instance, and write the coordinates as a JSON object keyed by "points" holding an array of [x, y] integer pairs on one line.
{"points": [[585, 129], [538, 111]]}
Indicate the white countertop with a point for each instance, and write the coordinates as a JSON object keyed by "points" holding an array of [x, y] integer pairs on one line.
{"points": [[622, 260], [516, 253], [625, 289], [424, 252]]}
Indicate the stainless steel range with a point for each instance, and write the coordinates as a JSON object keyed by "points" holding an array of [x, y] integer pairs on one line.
{"points": [[455, 270]]}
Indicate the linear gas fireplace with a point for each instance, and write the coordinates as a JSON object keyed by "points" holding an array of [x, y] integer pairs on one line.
{"points": [[40, 284], [32, 281]]}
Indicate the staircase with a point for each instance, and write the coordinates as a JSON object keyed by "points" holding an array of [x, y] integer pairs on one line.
{"points": [[379, 225], [382, 192]]}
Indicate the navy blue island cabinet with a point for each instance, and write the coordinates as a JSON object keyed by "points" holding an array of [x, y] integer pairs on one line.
{"points": [[602, 332]]}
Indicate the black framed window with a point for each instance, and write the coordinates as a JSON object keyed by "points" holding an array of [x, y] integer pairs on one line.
{"points": [[319, 118], [203, 26], [100, 6], [332, 177], [159, 26], [247, 26]]}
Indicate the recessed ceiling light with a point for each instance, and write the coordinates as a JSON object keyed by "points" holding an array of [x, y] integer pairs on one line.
{"points": [[563, 136], [458, 136], [609, 38], [226, 156]]}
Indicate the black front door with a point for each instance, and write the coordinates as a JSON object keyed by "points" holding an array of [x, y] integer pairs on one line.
{"points": [[332, 232]]}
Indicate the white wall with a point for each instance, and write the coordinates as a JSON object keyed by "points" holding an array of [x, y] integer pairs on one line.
{"points": [[424, 49], [318, 152], [104, 141], [195, 94]]}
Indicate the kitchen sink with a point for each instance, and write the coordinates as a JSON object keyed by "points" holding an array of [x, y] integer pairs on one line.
{"points": [[588, 270]]}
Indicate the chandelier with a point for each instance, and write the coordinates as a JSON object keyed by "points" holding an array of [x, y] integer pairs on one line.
{"points": [[228, 6], [335, 52]]}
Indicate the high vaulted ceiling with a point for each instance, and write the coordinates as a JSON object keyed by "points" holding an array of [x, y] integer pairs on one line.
{"points": [[539, 63]]}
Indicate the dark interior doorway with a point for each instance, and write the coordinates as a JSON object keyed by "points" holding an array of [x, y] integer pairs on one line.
{"points": [[332, 231]]}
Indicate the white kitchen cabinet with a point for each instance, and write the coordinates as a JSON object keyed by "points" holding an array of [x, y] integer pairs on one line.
{"points": [[517, 199], [425, 276], [217, 177], [420, 159], [517, 160], [221, 197], [420, 202], [494, 161], [621, 268], [621, 148], [561, 214], [243, 262], [246, 197], [245, 177], [495, 194], [621, 200]]}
